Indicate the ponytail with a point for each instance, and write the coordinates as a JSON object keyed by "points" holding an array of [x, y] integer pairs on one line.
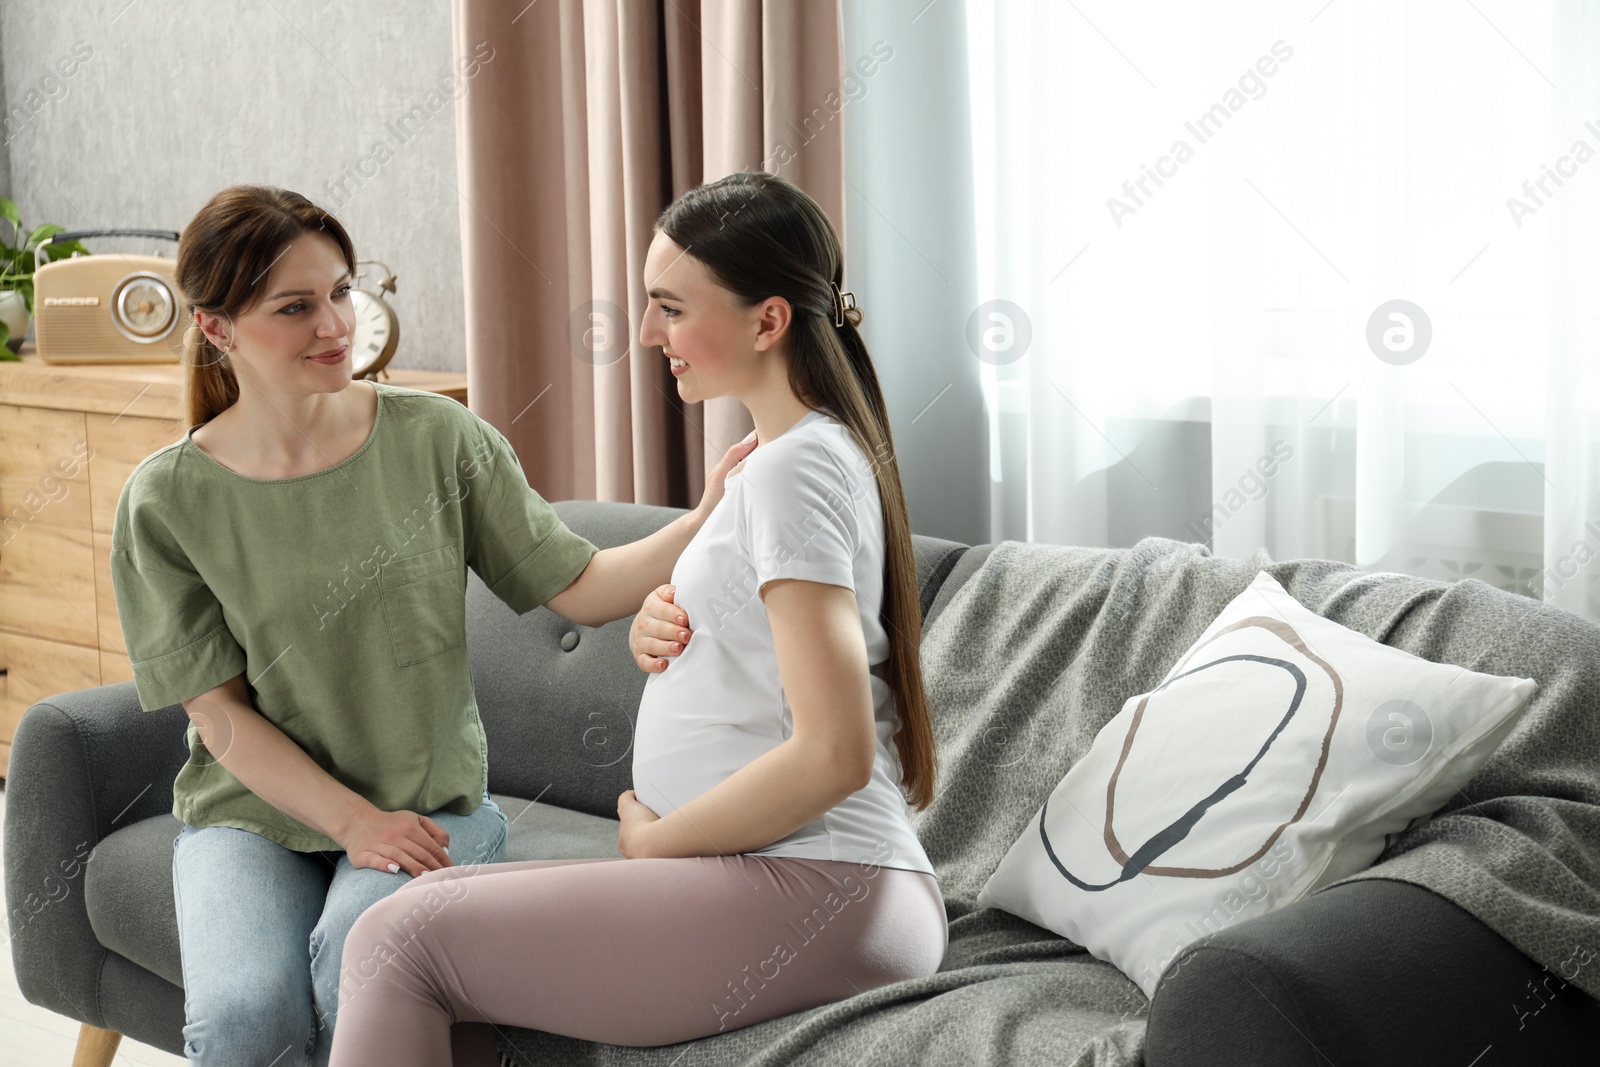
{"points": [[901, 613], [209, 384]]}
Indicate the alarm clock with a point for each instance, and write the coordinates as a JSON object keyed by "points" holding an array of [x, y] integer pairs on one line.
{"points": [[120, 308], [377, 331]]}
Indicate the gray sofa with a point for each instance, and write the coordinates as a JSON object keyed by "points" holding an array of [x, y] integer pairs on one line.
{"points": [[1379, 969]]}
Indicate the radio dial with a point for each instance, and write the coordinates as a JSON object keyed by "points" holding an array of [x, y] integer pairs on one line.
{"points": [[144, 307]]}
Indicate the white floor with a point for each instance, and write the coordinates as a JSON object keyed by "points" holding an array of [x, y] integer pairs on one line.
{"points": [[31, 1036]]}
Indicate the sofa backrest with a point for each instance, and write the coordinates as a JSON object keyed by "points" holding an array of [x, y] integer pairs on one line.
{"points": [[559, 701]]}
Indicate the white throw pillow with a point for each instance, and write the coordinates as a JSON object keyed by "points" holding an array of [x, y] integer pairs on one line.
{"points": [[1274, 758]]}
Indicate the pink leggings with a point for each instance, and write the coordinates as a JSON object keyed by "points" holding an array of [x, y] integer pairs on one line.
{"points": [[623, 951]]}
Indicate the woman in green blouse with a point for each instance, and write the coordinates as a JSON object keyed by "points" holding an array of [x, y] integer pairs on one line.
{"points": [[293, 572]]}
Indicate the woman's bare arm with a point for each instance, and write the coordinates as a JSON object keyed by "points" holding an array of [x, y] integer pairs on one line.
{"points": [[822, 662], [618, 579]]}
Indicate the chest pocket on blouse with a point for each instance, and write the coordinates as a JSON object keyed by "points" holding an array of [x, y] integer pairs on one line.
{"points": [[424, 605]]}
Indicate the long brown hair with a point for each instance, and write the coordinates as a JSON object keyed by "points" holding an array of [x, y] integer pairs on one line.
{"points": [[223, 255], [761, 236]]}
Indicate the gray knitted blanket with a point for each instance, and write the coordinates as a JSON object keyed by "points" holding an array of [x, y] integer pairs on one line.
{"points": [[1039, 649]]}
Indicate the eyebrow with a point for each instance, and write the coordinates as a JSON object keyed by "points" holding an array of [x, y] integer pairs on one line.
{"points": [[662, 294], [307, 292]]}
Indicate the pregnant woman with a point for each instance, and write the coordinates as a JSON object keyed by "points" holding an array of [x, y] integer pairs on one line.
{"points": [[769, 859], [293, 573]]}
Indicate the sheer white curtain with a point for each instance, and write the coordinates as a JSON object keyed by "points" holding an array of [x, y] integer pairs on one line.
{"points": [[1317, 277], [909, 248]]}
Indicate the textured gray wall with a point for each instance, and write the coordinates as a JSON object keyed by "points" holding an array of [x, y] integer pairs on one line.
{"points": [[350, 103], [5, 134]]}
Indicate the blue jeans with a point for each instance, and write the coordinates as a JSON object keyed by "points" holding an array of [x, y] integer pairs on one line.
{"points": [[262, 929]]}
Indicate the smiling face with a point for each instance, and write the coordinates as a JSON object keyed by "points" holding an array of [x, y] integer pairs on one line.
{"points": [[719, 341], [298, 336]]}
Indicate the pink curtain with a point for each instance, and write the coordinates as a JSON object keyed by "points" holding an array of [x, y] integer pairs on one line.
{"points": [[581, 121]]}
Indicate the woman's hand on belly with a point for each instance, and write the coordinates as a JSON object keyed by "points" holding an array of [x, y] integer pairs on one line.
{"points": [[830, 753], [659, 631], [637, 821]]}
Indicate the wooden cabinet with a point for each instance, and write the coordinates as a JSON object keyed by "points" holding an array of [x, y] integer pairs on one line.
{"points": [[69, 437]]}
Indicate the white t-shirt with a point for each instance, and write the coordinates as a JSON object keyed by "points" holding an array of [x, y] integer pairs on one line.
{"points": [[804, 505]]}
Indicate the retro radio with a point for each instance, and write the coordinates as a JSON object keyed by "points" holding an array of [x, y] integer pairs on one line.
{"points": [[112, 308]]}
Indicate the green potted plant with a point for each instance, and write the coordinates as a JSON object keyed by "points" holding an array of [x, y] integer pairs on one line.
{"points": [[17, 262]]}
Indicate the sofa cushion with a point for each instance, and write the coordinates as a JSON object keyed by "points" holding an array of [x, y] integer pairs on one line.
{"points": [[128, 881], [1276, 756], [545, 832]]}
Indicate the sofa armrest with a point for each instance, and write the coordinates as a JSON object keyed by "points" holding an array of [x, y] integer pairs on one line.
{"points": [[83, 765], [1374, 972]]}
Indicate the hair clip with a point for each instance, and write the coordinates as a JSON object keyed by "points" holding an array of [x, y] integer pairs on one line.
{"points": [[842, 302]]}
